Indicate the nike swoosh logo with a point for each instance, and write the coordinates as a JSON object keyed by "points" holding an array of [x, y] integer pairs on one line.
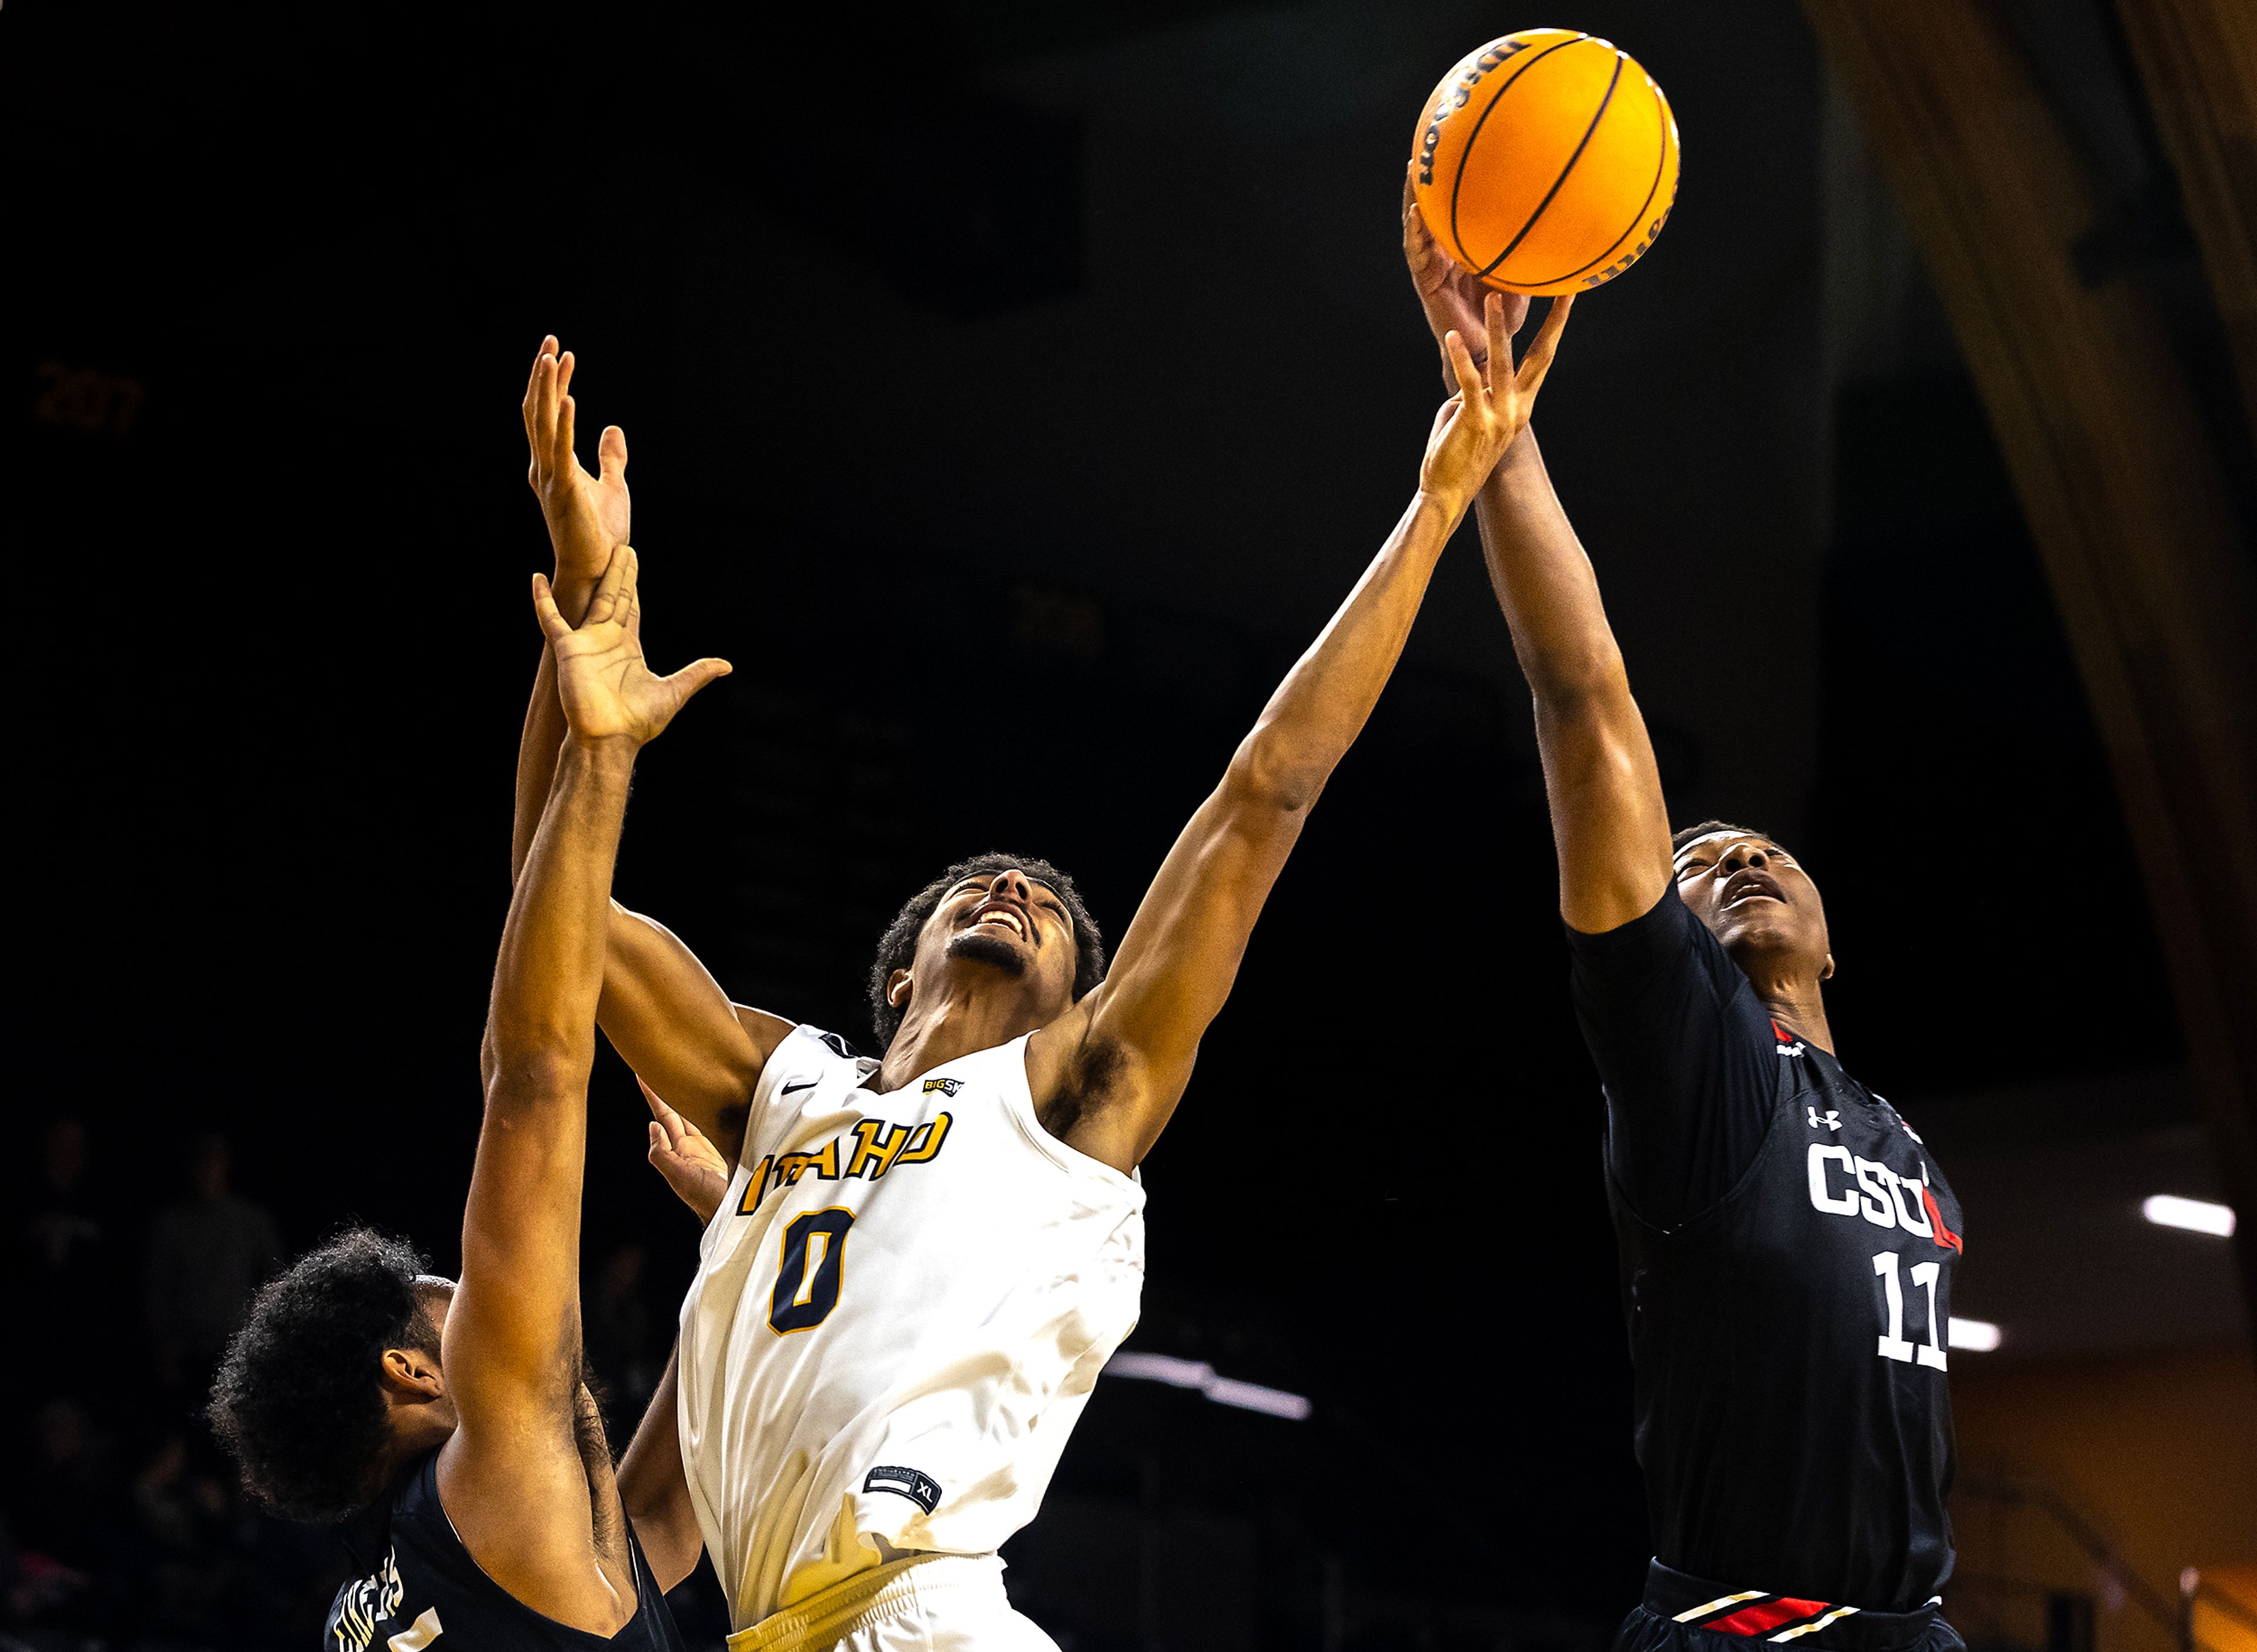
{"points": [[804, 1085]]}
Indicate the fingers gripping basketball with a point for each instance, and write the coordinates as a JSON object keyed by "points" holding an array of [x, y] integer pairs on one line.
{"points": [[1545, 162]]}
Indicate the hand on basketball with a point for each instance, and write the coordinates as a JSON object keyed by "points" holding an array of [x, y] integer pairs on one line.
{"points": [[607, 687], [586, 514], [1452, 295], [1492, 406], [693, 1167]]}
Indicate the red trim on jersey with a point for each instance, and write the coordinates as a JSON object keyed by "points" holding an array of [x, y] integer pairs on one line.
{"points": [[1944, 1236], [1767, 1614], [1780, 1033]]}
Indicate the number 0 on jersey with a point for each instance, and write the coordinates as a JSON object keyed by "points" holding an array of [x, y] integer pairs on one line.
{"points": [[808, 1274]]}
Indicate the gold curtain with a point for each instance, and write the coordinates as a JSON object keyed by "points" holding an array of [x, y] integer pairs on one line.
{"points": [[2122, 490], [2198, 62]]}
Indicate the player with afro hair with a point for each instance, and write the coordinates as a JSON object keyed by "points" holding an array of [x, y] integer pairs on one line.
{"points": [[299, 1399]]}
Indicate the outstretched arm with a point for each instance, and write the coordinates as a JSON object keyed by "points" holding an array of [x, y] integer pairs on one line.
{"points": [[666, 1015], [1609, 825], [1120, 1059], [515, 1483]]}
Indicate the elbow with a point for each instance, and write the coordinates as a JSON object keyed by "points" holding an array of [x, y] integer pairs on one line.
{"points": [[535, 1075], [1579, 678], [1263, 779]]}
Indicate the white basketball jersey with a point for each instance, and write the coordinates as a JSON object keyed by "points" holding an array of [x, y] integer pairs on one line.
{"points": [[899, 1311]]}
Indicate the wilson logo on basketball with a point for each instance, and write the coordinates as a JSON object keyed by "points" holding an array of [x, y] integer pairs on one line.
{"points": [[1467, 75], [1629, 258]]}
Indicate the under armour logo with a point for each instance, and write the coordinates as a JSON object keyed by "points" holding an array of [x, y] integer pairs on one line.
{"points": [[1832, 1120]]}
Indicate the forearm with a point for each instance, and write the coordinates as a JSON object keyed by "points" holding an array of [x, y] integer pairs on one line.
{"points": [[655, 1492], [543, 736], [550, 972], [1609, 822], [1544, 579], [1325, 699]]}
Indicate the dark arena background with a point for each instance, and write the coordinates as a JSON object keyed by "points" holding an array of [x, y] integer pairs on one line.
{"points": [[1012, 391]]}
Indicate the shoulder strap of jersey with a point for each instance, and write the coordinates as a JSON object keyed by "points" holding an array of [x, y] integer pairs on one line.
{"points": [[806, 1056]]}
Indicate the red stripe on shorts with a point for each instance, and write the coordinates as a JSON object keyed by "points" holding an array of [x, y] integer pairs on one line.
{"points": [[1768, 1615]]}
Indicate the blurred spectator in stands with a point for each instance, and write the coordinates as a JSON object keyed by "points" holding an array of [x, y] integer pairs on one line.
{"points": [[71, 1520], [210, 1569], [187, 1560], [72, 1511], [622, 1337], [207, 1255], [64, 1279]]}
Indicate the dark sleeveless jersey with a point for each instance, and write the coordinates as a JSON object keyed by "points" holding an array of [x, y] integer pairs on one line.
{"points": [[420, 1587], [1787, 1253]]}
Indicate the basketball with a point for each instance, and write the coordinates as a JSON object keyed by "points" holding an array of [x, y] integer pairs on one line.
{"points": [[1545, 162]]}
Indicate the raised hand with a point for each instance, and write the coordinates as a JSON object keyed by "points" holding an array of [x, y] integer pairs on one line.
{"points": [[1452, 295], [1492, 406], [693, 1167], [586, 514], [607, 687]]}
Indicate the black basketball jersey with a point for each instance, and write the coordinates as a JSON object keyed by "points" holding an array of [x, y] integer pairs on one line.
{"points": [[1786, 1251], [421, 1587]]}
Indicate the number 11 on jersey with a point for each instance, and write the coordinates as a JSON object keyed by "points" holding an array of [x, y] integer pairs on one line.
{"points": [[1892, 1344]]}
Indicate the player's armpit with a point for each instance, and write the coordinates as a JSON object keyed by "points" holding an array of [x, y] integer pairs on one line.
{"points": [[516, 1491], [671, 1022]]}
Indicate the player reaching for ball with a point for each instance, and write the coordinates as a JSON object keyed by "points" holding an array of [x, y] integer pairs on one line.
{"points": [[1787, 1240], [448, 1422], [924, 1260]]}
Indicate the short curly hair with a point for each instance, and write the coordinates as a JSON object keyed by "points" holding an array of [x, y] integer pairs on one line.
{"points": [[897, 947], [299, 1401]]}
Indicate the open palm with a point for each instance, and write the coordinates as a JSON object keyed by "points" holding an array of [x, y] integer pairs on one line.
{"points": [[607, 687], [1493, 401], [586, 514]]}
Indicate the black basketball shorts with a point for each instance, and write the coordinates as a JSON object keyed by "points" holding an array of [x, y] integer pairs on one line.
{"points": [[1688, 1614]]}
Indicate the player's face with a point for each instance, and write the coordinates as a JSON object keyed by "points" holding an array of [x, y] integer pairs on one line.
{"points": [[1754, 898], [1007, 922]]}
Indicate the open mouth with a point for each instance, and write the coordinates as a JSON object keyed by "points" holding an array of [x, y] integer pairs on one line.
{"points": [[1753, 886], [1002, 918]]}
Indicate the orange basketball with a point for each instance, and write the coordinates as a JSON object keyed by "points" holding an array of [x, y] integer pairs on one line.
{"points": [[1545, 162]]}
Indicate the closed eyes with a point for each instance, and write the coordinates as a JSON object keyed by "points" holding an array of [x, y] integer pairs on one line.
{"points": [[1771, 852], [1044, 898]]}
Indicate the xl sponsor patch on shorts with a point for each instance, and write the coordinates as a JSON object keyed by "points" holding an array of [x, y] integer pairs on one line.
{"points": [[921, 1489]]}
